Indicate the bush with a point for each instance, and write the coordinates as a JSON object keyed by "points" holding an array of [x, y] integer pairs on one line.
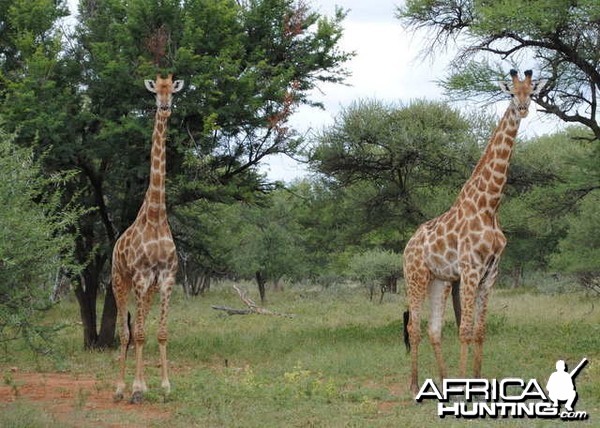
{"points": [[35, 242], [377, 267]]}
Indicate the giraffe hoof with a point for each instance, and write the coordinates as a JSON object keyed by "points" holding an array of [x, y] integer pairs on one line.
{"points": [[118, 397], [137, 397]]}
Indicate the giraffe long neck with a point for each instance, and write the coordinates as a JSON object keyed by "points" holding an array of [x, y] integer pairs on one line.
{"points": [[154, 202], [486, 184]]}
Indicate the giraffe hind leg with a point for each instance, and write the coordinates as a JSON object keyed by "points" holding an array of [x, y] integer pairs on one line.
{"points": [[416, 289], [438, 294]]}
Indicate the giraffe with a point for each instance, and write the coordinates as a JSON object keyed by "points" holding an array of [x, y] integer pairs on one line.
{"points": [[464, 244], [144, 256]]}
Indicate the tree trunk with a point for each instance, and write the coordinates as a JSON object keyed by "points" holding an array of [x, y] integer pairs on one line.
{"points": [[261, 281], [87, 288], [107, 337], [392, 284], [201, 283], [86, 292], [517, 276]]}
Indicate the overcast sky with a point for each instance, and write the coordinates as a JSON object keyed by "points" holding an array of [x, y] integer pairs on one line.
{"points": [[387, 66]]}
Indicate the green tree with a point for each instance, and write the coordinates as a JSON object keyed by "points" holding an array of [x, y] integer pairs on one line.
{"points": [[394, 165], [267, 243], [579, 251], [246, 66], [326, 221], [377, 269], [561, 37], [36, 241]]}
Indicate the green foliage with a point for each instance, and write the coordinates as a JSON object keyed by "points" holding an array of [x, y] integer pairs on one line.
{"points": [[267, 240], [37, 240], [579, 250], [392, 165], [542, 179], [374, 268], [375, 265], [492, 35], [244, 240]]}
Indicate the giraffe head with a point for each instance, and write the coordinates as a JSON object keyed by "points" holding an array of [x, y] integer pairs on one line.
{"points": [[164, 90], [522, 91]]}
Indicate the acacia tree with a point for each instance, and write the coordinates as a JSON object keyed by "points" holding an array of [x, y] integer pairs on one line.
{"points": [[377, 268], [246, 66], [563, 38], [538, 197], [394, 165]]}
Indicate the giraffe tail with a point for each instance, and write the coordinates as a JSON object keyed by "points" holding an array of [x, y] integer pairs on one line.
{"points": [[130, 342], [406, 338]]}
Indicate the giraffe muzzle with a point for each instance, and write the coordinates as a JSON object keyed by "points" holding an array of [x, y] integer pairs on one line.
{"points": [[523, 111]]}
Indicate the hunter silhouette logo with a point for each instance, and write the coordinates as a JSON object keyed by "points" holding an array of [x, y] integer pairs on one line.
{"points": [[507, 398], [561, 385]]}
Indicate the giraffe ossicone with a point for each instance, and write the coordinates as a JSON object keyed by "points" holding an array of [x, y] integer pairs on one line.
{"points": [[144, 257], [464, 244]]}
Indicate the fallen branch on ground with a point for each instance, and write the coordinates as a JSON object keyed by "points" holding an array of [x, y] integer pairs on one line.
{"points": [[253, 308]]}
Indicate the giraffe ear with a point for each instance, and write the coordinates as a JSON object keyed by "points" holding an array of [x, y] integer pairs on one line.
{"points": [[538, 85], [150, 86], [505, 87], [177, 86]]}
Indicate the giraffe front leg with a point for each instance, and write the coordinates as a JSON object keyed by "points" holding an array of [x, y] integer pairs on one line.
{"points": [[468, 287], [479, 331], [143, 296], [480, 316], [165, 295]]}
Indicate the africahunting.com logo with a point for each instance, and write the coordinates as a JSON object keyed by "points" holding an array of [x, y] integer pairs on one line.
{"points": [[507, 398]]}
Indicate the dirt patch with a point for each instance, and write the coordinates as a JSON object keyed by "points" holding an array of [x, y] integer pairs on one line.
{"points": [[80, 400]]}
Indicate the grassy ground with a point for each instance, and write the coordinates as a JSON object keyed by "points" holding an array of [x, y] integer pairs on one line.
{"points": [[340, 362]]}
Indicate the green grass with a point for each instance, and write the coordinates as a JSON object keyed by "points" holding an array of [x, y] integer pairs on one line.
{"points": [[340, 362]]}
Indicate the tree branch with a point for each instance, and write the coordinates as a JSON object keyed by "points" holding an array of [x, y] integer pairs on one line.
{"points": [[253, 308]]}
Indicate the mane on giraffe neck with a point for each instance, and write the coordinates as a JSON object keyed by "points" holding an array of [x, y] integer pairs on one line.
{"points": [[154, 207], [487, 181]]}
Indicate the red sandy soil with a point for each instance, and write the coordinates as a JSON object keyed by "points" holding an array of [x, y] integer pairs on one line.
{"points": [[68, 397]]}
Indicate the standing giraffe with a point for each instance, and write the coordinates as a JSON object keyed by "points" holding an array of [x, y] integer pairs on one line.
{"points": [[144, 257], [464, 244]]}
